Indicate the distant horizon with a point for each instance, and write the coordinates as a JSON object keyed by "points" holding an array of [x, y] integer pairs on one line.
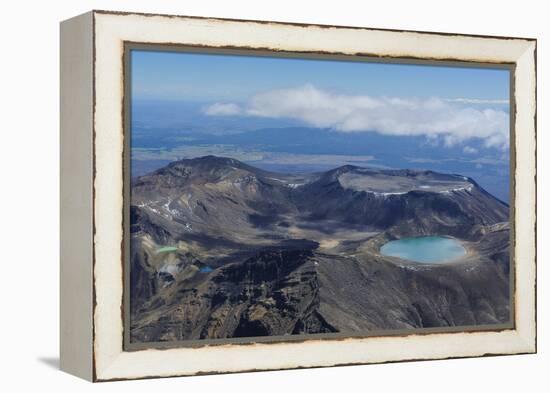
{"points": [[308, 115]]}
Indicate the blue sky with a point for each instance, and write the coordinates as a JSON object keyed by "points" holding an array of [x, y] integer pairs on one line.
{"points": [[206, 77]]}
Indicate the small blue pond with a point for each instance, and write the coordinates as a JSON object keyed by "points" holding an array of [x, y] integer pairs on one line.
{"points": [[426, 249], [205, 269]]}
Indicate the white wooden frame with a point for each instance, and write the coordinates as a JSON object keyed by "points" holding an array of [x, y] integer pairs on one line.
{"points": [[92, 194]]}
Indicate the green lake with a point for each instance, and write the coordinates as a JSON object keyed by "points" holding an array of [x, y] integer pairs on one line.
{"points": [[164, 249]]}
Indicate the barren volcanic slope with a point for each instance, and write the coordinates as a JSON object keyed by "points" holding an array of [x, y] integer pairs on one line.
{"points": [[221, 249]]}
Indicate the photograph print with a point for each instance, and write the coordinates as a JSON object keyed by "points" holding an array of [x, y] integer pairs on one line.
{"points": [[279, 197]]}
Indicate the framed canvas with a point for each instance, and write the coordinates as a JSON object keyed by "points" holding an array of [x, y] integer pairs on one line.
{"points": [[246, 195]]}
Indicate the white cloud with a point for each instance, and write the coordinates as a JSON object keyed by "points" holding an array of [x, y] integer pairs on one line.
{"points": [[435, 118], [469, 150], [478, 101], [223, 109]]}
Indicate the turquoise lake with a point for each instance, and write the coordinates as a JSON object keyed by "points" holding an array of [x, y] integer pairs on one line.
{"points": [[425, 249]]}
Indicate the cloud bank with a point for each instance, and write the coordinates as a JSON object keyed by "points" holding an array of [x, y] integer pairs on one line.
{"points": [[450, 121], [477, 101], [221, 109]]}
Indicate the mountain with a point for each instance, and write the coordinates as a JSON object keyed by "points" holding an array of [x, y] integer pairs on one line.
{"points": [[223, 249], [489, 166]]}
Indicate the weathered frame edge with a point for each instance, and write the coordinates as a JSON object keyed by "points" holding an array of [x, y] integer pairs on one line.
{"points": [[76, 196]]}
